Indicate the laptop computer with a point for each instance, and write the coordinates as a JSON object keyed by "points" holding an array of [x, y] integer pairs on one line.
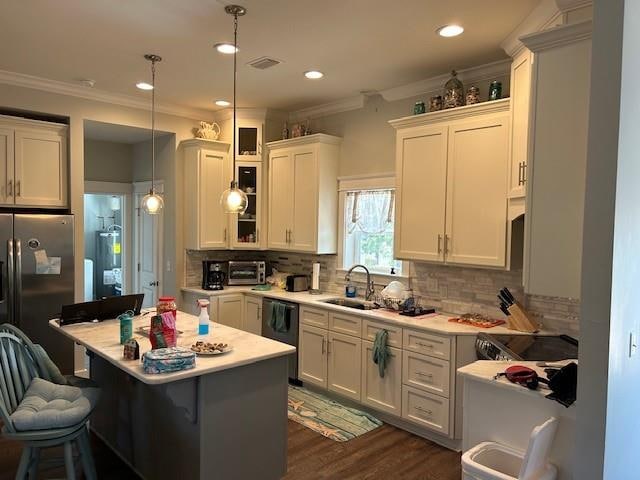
{"points": [[99, 310]]}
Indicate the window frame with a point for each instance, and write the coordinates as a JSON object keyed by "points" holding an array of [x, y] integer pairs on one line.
{"points": [[363, 182]]}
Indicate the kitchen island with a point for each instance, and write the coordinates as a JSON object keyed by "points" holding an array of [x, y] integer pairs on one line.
{"points": [[225, 418]]}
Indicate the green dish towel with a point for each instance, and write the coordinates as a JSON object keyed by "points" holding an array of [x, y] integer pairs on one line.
{"points": [[381, 353], [278, 317]]}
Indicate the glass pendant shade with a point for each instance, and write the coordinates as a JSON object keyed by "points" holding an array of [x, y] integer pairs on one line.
{"points": [[152, 203], [234, 200]]}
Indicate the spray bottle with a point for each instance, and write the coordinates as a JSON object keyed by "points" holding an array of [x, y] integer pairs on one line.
{"points": [[203, 319]]}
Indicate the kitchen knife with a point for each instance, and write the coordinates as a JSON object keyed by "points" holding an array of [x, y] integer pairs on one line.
{"points": [[504, 309], [504, 299], [507, 293]]}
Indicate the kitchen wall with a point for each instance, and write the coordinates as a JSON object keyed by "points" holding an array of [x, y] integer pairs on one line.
{"points": [[450, 289], [108, 161]]}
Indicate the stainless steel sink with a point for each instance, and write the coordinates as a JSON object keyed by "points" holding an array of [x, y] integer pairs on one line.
{"points": [[350, 303]]}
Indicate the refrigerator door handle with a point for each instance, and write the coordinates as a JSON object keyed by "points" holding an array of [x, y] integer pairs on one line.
{"points": [[10, 280], [18, 297]]}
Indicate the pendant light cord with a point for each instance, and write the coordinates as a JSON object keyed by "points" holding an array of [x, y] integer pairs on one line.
{"points": [[235, 80], [153, 125]]}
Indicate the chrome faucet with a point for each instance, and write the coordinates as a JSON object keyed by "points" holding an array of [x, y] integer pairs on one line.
{"points": [[370, 289]]}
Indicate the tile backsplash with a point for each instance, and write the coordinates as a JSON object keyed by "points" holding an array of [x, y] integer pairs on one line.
{"points": [[451, 289]]}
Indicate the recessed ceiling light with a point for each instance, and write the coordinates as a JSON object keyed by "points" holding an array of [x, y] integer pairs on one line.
{"points": [[222, 103], [313, 74], [144, 86], [226, 48], [450, 31]]}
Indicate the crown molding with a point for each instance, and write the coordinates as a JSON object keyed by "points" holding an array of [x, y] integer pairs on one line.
{"points": [[88, 93], [494, 106], [562, 35], [471, 75], [205, 143], [306, 140], [569, 5], [339, 106], [253, 113], [543, 16]]}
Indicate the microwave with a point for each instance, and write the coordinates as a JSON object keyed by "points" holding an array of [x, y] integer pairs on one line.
{"points": [[246, 273]]}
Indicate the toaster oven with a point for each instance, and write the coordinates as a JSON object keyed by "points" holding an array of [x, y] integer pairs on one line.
{"points": [[246, 273]]}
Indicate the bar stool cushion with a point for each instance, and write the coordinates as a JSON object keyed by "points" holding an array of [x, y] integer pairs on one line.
{"points": [[47, 405]]}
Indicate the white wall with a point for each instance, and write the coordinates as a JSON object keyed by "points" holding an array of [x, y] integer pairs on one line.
{"points": [[78, 110], [108, 161], [369, 141]]}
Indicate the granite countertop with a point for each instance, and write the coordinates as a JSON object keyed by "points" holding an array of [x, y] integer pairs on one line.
{"points": [[484, 371], [103, 339], [436, 323]]}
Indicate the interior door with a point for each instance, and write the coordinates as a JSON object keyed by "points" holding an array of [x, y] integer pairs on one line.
{"points": [[212, 182], [280, 199], [305, 201], [6, 167], [148, 254], [40, 168], [421, 176], [476, 229]]}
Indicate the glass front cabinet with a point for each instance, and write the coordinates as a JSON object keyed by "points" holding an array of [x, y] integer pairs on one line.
{"points": [[246, 233], [249, 141]]}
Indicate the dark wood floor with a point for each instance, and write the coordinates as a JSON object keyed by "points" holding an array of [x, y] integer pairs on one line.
{"points": [[385, 453]]}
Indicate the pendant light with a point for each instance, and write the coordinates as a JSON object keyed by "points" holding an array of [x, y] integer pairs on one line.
{"points": [[234, 200], [152, 202]]}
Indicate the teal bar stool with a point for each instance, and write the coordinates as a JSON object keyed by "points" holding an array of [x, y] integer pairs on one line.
{"points": [[39, 413]]}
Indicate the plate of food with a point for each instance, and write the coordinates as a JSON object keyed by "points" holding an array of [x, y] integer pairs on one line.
{"points": [[207, 348]]}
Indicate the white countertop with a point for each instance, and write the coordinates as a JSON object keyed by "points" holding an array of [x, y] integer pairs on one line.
{"points": [[484, 371], [437, 323], [103, 339]]}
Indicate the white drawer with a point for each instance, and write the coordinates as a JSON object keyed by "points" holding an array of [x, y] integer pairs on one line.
{"points": [[314, 317], [426, 373], [424, 409], [427, 344], [348, 324], [371, 327]]}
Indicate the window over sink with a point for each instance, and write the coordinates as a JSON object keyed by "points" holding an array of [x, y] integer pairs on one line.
{"points": [[367, 224]]}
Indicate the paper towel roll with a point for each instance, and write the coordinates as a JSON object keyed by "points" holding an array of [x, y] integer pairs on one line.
{"points": [[315, 277]]}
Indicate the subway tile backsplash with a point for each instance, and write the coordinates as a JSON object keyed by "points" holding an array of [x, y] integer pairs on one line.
{"points": [[451, 289]]}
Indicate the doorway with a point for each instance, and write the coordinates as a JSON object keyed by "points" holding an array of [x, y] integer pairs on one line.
{"points": [[107, 224], [148, 247]]}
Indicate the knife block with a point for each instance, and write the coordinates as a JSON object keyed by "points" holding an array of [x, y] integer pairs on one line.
{"points": [[519, 320]]}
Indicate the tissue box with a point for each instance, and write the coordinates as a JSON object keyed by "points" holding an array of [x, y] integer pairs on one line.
{"points": [[165, 360]]}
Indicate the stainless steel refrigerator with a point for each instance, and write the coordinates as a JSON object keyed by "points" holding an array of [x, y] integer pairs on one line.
{"points": [[37, 278]]}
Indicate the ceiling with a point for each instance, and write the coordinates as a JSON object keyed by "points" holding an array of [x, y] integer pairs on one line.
{"points": [[360, 45]]}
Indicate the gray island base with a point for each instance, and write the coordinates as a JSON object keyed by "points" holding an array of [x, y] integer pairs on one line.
{"points": [[225, 419]]}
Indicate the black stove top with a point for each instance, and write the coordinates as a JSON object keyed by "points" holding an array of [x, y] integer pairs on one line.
{"points": [[526, 347]]}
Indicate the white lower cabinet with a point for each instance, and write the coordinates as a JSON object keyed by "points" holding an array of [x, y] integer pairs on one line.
{"points": [[426, 373], [230, 310], [344, 357], [425, 409], [382, 393], [312, 357], [253, 314]]}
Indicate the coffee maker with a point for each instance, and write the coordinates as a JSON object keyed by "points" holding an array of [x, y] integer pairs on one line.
{"points": [[213, 275]]}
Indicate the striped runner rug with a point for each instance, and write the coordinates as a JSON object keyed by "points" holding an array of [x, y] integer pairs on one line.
{"points": [[328, 417]]}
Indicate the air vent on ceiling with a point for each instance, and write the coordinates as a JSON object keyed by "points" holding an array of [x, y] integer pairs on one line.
{"points": [[263, 63]]}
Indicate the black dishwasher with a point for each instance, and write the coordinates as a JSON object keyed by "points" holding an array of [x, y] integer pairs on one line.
{"points": [[288, 334]]}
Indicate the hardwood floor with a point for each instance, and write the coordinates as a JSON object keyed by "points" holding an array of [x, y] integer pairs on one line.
{"points": [[385, 453]]}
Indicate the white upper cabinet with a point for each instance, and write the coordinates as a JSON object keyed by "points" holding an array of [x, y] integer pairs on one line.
{"points": [[558, 154], [476, 227], [246, 229], [421, 170], [34, 165], [6, 167], [303, 194], [520, 107], [452, 172], [206, 176]]}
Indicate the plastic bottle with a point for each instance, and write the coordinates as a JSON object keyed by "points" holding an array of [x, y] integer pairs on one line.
{"points": [[203, 319]]}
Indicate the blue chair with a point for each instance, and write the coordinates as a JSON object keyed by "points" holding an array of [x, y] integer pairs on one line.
{"points": [[39, 413]]}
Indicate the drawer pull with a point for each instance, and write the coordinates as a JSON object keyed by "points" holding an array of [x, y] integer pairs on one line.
{"points": [[426, 345], [424, 410], [423, 374]]}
